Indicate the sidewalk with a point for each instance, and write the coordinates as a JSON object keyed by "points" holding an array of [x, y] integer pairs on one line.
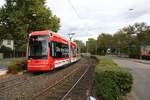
{"points": [[142, 61], [4, 64], [135, 60], [131, 96], [3, 71]]}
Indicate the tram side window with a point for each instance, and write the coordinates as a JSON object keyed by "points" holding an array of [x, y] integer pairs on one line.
{"points": [[65, 50], [78, 50], [52, 52], [59, 50], [73, 49]]}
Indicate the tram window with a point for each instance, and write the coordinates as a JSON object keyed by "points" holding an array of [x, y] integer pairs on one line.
{"points": [[59, 50], [73, 51], [51, 46], [78, 51]]}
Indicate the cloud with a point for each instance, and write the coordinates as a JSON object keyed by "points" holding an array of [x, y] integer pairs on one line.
{"points": [[2, 2], [93, 17], [138, 11]]}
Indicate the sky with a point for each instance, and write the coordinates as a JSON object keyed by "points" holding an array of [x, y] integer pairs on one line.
{"points": [[89, 18]]}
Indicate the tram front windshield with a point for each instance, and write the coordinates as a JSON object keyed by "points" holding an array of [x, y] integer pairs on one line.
{"points": [[38, 47]]}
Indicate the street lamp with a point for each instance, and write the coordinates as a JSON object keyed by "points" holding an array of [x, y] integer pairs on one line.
{"points": [[14, 50], [70, 38], [71, 35], [28, 25]]}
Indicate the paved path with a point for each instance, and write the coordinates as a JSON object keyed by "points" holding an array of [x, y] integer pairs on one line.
{"points": [[142, 61], [141, 74], [5, 62], [3, 71]]}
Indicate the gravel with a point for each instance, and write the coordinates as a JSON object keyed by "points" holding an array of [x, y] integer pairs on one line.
{"points": [[33, 85]]}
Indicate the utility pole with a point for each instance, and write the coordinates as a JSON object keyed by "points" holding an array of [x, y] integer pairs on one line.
{"points": [[71, 35], [27, 34], [70, 38], [86, 46], [14, 51], [96, 48]]}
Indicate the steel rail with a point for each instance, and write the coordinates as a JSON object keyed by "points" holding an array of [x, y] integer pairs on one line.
{"points": [[75, 84], [55, 84]]}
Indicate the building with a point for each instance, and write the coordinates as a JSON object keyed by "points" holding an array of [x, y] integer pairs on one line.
{"points": [[8, 43], [145, 50]]}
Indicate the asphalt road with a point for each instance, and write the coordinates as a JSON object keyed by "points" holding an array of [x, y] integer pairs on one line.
{"points": [[141, 74]]}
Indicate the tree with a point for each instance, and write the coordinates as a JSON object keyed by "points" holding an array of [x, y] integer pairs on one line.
{"points": [[81, 46], [5, 49], [104, 41], [142, 31], [121, 41], [127, 42], [20, 17], [91, 46]]}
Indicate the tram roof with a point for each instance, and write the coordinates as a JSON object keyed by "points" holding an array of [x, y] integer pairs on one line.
{"points": [[53, 34]]}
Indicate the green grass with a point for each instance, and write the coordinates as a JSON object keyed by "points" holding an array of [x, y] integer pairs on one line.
{"points": [[112, 81], [106, 62]]}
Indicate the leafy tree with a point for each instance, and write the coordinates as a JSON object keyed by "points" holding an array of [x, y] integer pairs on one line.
{"points": [[5, 49], [121, 41], [127, 40], [81, 45], [134, 48], [104, 42], [141, 30], [20, 17], [91, 46]]}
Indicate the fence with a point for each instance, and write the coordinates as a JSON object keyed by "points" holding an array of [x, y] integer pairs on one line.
{"points": [[1, 55], [13, 54]]}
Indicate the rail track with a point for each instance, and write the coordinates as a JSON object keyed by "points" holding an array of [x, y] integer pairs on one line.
{"points": [[57, 84], [15, 80], [6, 84], [63, 88], [75, 84]]}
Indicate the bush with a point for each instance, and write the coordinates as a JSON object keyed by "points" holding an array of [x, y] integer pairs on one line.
{"points": [[17, 66], [112, 82], [7, 52], [146, 57], [5, 49]]}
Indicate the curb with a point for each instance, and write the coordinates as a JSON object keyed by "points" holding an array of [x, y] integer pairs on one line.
{"points": [[3, 72], [143, 62], [133, 96]]}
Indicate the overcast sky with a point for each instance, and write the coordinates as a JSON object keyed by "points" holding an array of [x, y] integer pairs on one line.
{"points": [[89, 18]]}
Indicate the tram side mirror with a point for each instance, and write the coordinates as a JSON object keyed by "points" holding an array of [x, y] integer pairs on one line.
{"points": [[91, 98]]}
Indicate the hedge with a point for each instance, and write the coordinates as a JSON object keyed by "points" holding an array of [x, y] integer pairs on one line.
{"points": [[16, 66], [112, 81], [146, 57]]}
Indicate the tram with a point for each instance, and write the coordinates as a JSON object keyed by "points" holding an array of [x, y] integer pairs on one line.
{"points": [[48, 50]]}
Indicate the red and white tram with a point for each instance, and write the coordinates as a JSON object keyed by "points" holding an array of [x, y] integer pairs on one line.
{"points": [[48, 50]]}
